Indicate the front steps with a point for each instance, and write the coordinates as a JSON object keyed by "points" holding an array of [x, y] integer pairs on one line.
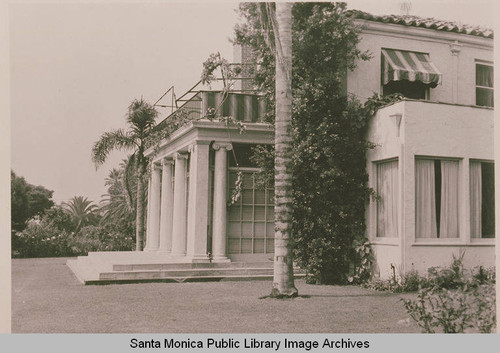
{"points": [[139, 267]]}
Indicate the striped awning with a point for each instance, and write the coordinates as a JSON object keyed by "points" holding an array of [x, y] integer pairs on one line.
{"points": [[400, 65]]}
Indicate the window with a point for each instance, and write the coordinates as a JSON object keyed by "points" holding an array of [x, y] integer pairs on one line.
{"points": [[387, 201], [482, 199], [412, 90], [251, 219], [436, 198], [408, 73], [484, 85]]}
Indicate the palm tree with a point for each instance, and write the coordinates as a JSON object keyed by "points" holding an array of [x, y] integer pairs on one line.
{"points": [[82, 211], [283, 283], [119, 203], [141, 119]]}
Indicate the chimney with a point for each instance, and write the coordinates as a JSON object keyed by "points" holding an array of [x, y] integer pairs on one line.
{"points": [[244, 55]]}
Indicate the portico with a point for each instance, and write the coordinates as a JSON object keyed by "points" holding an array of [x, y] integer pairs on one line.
{"points": [[189, 189]]}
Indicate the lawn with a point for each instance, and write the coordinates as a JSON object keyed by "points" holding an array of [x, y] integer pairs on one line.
{"points": [[46, 297]]}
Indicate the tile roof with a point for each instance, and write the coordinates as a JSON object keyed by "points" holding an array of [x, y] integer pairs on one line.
{"points": [[430, 23]]}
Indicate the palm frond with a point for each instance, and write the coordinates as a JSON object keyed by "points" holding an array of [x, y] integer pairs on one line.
{"points": [[141, 117], [109, 141]]}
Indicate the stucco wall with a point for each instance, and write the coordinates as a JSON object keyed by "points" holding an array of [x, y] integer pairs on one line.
{"points": [[431, 130], [366, 78], [442, 130]]}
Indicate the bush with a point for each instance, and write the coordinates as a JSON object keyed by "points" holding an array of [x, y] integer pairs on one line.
{"points": [[453, 300], [454, 311], [41, 240], [100, 238]]}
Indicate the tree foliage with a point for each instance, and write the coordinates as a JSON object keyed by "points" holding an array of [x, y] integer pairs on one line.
{"points": [[27, 201], [329, 145], [82, 211], [118, 204]]}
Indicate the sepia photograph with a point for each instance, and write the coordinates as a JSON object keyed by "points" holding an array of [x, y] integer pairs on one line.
{"points": [[267, 168]]}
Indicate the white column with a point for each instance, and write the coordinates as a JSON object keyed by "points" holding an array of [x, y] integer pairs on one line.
{"points": [[198, 202], [179, 212], [148, 214], [220, 200], [167, 206], [154, 211]]}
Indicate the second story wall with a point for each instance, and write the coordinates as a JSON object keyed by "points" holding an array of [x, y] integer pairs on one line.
{"points": [[459, 71]]}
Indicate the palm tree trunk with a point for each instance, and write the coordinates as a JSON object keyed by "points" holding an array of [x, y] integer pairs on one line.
{"points": [[283, 284], [139, 222]]}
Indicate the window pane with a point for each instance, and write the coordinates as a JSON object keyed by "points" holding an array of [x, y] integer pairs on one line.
{"points": [[233, 246], [258, 246], [246, 246], [247, 197], [448, 225], [425, 199], [484, 97], [247, 229], [260, 230], [260, 197], [234, 230], [270, 229], [488, 200], [475, 182], [260, 213], [269, 245], [234, 213], [247, 213], [387, 204], [484, 75]]}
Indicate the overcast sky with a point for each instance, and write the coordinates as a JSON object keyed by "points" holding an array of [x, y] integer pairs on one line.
{"points": [[74, 68]]}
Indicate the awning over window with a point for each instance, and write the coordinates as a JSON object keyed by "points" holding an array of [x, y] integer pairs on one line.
{"points": [[400, 65]]}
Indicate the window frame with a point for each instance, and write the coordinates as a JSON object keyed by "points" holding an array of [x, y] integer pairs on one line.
{"points": [[492, 88], [480, 239]]}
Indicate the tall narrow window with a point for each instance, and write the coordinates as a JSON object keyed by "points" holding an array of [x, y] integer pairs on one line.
{"points": [[436, 198], [484, 85], [482, 199], [387, 203]]}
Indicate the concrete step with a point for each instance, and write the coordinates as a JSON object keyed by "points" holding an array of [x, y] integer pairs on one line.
{"points": [[178, 266], [126, 267], [202, 272]]}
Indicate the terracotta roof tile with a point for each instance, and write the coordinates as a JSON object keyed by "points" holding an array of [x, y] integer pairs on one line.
{"points": [[430, 23]]}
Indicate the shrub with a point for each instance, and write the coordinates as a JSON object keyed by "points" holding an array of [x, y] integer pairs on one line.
{"points": [[454, 311], [41, 240], [100, 238], [44, 239], [453, 300]]}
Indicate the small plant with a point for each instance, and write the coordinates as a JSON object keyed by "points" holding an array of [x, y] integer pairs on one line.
{"points": [[365, 258]]}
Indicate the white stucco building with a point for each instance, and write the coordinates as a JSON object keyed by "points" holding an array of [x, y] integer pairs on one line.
{"points": [[432, 167]]}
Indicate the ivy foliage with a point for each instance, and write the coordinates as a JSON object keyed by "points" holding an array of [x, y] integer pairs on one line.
{"points": [[328, 129]]}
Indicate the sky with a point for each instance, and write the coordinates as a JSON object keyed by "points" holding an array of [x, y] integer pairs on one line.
{"points": [[75, 67]]}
